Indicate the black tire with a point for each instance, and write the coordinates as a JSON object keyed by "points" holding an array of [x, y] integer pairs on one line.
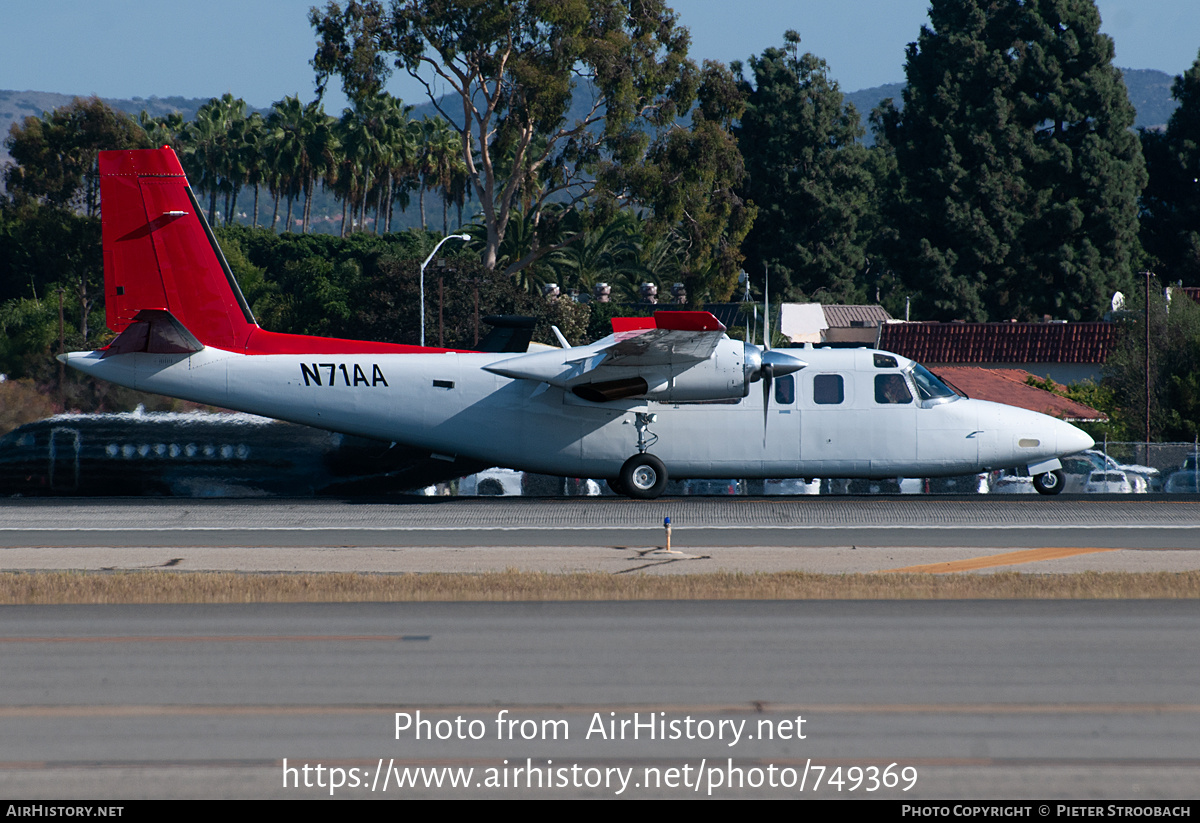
{"points": [[614, 483], [1050, 482], [644, 477]]}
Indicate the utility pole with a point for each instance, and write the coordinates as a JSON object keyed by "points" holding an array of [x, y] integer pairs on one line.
{"points": [[1146, 456]]}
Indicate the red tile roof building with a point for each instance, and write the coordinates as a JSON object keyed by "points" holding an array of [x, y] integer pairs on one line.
{"points": [[1067, 352], [1008, 386]]}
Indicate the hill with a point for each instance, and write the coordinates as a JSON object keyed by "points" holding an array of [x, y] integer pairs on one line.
{"points": [[1149, 91]]}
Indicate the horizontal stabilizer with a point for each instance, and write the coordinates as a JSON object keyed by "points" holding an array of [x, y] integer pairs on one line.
{"points": [[155, 331]]}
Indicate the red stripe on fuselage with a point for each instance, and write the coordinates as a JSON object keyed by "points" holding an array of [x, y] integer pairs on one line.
{"points": [[262, 341]]}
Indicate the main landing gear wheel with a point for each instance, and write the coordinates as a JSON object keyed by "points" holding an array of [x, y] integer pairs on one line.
{"points": [[615, 484], [644, 476], [1050, 482]]}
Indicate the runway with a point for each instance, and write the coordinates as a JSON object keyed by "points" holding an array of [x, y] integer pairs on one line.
{"points": [[971, 700], [949, 700], [831, 535]]}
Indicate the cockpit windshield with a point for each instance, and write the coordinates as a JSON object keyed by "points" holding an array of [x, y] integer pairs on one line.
{"points": [[930, 387]]}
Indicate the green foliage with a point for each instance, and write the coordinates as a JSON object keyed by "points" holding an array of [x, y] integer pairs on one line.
{"points": [[520, 69], [28, 336], [691, 180], [41, 247], [808, 175], [55, 154], [1174, 367], [390, 308], [1098, 396], [366, 287], [1171, 202], [1018, 172]]}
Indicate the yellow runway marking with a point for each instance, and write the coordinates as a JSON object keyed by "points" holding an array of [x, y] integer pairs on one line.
{"points": [[993, 560]]}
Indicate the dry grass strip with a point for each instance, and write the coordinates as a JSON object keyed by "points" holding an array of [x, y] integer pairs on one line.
{"points": [[514, 586]]}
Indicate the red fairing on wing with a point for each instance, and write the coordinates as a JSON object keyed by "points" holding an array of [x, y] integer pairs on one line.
{"points": [[621, 324], [688, 321], [672, 320]]}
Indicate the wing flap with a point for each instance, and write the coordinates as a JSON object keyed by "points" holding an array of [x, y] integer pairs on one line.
{"points": [[662, 346]]}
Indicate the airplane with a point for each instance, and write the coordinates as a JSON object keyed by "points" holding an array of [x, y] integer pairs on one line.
{"points": [[674, 383]]}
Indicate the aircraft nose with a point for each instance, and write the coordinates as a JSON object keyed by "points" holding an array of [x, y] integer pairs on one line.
{"points": [[1072, 439]]}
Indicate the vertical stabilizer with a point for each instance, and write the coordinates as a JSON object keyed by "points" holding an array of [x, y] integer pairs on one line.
{"points": [[159, 252]]}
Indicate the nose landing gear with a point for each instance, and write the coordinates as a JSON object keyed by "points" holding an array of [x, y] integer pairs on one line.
{"points": [[1049, 482]]}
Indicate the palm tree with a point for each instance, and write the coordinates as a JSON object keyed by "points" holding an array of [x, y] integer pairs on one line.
{"points": [[446, 168], [213, 149], [376, 151], [163, 131], [303, 146], [255, 156], [608, 253]]}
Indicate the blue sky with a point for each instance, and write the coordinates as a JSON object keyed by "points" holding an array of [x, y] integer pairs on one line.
{"points": [[259, 49]]}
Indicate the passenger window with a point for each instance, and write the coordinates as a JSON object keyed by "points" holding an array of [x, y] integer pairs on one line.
{"points": [[785, 390], [891, 389], [828, 389]]}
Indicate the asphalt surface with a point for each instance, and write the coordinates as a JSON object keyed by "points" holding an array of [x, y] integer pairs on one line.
{"points": [[1079, 700], [835, 535], [949, 700]]}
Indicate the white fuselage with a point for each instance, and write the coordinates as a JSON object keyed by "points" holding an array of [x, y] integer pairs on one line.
{"points": [[448, 404]]}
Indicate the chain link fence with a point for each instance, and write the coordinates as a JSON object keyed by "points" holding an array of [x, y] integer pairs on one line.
{"points": [[1171, 467], [1165, 457]]}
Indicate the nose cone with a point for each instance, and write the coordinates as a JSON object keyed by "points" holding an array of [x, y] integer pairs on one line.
{"points": [[1072, 439], [781, 362]]}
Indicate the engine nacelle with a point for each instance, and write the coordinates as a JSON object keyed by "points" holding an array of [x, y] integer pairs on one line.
{"points": [[725, 375]]}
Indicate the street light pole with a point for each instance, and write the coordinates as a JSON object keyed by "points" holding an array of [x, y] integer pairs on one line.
{"points": [[426, 263]]}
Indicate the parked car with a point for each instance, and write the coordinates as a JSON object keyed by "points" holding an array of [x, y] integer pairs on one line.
{"points": [[791, 486], [1007, 483], [712, 487], [1142, 479], [1183, 482], [1108, 482]]}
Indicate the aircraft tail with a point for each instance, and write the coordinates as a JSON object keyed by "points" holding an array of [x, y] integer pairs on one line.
{"points": [[160, 254]]}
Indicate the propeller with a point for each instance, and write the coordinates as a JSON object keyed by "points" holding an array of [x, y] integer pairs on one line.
{"points": [[768, 367], [764, 364]]}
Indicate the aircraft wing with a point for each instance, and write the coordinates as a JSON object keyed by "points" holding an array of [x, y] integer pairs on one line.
{"points": [[667, 344]]}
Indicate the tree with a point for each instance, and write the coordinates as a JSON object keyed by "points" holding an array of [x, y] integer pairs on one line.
{"points": [[1174, 360], [561, 102], [690, 180], [808, 175], [1171, 201], [1018, 171], [301, 144], [54, 156], [213, 151]]}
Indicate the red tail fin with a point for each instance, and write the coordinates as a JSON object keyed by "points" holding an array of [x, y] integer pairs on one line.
{"points": [[159, 252]]}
